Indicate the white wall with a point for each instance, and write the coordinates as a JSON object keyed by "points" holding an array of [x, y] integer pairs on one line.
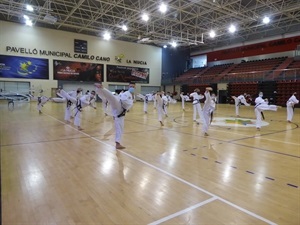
{"points": [[21, 36]]}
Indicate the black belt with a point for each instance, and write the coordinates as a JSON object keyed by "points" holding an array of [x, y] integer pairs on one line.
{"points": [[122, 113]]}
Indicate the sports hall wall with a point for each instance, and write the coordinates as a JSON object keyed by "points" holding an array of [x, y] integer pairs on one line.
{"points": [[51, 46], [265, 48]]}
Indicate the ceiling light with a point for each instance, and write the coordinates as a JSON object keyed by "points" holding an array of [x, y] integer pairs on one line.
{"points": [[165, 46], [26, 17], [232, 29], [163, 8], [29, 8], [106, 36], [145, 17], [174, 44], [124, 27], [212, 33], [266, 20], [28, 23]]}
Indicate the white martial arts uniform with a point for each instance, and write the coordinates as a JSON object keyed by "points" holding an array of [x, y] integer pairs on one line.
{"points": [[80, 103], [41, 101], [165, 104], [147, 98], [290, 104], [238, 101], [208, 108], [196, 105], [260, 106], [120, 104], [184, 98], [69, 103], [159, 107]]}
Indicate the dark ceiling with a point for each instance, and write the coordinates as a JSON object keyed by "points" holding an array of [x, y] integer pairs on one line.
{"points": [[187, 22]]}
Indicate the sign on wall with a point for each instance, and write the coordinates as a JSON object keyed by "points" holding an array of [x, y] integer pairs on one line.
{"points": [[127, 74], [77, 71], [23, 67]]}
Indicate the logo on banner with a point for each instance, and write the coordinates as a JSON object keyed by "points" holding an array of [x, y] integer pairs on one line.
{"points": [[119, 58]]}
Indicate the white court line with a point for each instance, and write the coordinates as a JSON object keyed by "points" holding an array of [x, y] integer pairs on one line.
{"points": [[182, 211], [200, 189], [285, 142], [214, 197]]}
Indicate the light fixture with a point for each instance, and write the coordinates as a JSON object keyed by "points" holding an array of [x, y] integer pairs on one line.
{"points": [[232, 28], [106, 36], [212, 33], [165, 46], [28, 23], [163, 8], [26, 17], [173, 44], [124, 27], [266, 20], [145, 17], [29, 8]]}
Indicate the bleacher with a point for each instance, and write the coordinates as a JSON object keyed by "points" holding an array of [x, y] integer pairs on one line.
{"points": [[291, 71], [250, 77], [254, 70], [190, 75], [246, 71]]}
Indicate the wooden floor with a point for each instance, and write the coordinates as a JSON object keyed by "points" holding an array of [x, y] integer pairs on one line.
{"points": [[51, 173]]}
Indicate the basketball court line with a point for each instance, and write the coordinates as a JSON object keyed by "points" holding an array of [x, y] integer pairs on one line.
{"points": [[285, 142], [213, 196], [252, 172], [182, 211]]}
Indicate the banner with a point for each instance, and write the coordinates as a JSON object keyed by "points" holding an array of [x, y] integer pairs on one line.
{"points": [[127, 74], [77, 71], [23, 67]]}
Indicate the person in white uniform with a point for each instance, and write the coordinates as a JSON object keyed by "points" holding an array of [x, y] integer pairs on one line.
{"points": [[69, 104], [120, 104], [165, 100], [80, 103], [213, 105], [260, 106], [146, 98], [238, 101], [159, 106], [41, 101], [184, 98], [208, 108], [290, 105], [196, 104]]}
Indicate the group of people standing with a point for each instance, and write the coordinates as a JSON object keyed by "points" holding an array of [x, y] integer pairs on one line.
{"points": [[121, 103], [262, 104]]}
